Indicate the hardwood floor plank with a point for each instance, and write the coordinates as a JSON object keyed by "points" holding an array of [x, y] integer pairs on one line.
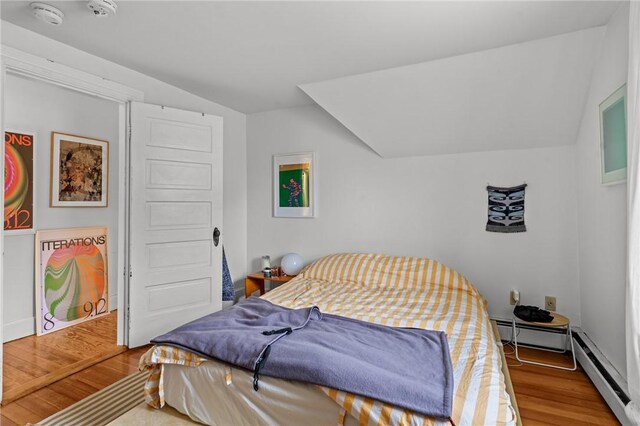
{"points": [[556, 397], [6, 421], [59, 395], [30, 356], [20, 415], [39, 382], [553, 385], [37, 406], [570, 399], [58, 400], [99, 376], [33, 362], [32, 346], [28, 368], [73, 388], [561, 411]]}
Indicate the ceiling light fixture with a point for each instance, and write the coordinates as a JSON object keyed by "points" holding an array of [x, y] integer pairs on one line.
{"points": [[47, 13], [102, 8]]}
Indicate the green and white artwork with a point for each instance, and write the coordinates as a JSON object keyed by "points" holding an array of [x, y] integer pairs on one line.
{"points": [[294, 185], [613, 137], [294, 191]]}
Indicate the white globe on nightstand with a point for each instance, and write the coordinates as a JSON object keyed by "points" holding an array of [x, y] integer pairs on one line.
{"points": [[292, 263]]}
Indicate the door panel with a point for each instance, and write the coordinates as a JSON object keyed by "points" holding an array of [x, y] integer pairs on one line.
{"points": [[162, 174], [176, 202]]}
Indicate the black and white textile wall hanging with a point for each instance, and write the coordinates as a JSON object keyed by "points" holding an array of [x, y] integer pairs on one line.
{"points": [[506, 209]]}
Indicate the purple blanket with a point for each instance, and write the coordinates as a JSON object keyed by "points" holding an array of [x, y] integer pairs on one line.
{"points": [[405, 367]]}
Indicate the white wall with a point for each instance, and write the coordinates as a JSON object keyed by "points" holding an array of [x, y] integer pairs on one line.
{"points": [[602, 209], [41, 107], [158, 92], [422, 206]]}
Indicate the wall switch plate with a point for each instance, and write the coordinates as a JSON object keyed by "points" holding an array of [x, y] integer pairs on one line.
{"points": [[550, 303], [514, 297]]}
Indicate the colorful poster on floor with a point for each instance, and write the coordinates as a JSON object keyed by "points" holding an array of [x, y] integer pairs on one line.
{"points": [[72, 283], [18, 180]]}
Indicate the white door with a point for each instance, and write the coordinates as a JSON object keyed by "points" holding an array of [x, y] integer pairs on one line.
{"points": [[175, 209]]}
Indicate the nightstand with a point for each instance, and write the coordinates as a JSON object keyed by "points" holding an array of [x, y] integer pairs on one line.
{"points": [[560, 322], [256, 281]]}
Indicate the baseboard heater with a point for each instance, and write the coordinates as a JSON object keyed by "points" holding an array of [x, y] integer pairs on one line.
{"points": [[608, 381]]}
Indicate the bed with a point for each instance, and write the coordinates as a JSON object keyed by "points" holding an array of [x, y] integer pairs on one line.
{"points": [[393, 291]]}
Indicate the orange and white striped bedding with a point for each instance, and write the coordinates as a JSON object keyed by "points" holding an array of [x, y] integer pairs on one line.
{"points": [[399, 292]]}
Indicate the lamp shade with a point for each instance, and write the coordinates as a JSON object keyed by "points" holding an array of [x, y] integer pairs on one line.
{"points": [[292, 263]]}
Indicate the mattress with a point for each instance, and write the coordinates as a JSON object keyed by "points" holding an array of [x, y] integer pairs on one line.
{"points": [[208, 395], [393, 291]]}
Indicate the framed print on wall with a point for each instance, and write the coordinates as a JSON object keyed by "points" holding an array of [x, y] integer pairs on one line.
{"points": [[71, 272], [79, 171], [613, 137], [18, 181], [294, 180]]}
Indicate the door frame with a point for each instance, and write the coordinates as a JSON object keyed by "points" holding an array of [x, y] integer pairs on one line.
{"points": [[17, 62]]}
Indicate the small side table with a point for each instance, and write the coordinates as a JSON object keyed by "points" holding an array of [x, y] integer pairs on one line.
{"points": [[256, 281], [560, 322]]}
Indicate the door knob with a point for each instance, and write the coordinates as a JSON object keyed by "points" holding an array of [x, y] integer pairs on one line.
{"points": [[216, 237]]}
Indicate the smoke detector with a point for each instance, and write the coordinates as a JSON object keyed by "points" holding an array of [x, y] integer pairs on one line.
{"points": [[102, 8], [47, 13]]}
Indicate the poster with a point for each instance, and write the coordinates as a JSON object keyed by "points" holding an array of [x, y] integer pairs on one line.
{"points": [[294, 184], [71, 277], [294, 177], [18, 180], [613, 137], [79, 171]]}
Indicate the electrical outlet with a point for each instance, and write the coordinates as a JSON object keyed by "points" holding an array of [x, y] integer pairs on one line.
{"points": [[550, 303], [514, 297]]}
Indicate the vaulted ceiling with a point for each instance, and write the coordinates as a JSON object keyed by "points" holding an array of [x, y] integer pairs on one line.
{"points": [[424, 68], [520, 96]]}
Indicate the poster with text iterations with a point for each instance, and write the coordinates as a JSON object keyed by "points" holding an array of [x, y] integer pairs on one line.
{"points": [[71, 277], [18, 180]]}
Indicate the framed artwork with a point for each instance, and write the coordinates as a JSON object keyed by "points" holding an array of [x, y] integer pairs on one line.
{"points": [[294, 180], [72, 283], [18, 181], [613, 137], [79, 171]]}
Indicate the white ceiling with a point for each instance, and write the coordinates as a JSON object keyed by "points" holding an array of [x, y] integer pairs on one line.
{"points": [[251, 56]]}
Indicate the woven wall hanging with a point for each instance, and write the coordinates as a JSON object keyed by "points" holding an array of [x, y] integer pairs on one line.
{"points": [[506, 209]]}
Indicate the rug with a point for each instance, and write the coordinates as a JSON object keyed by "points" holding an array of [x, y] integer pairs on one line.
{"points": [[143, 415], [121, 403]]}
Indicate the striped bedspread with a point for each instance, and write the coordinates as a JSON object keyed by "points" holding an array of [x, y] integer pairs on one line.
{"points": [[399, 292]]}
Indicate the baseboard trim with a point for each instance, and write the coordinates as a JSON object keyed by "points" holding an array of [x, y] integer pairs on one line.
{"points": [[19, 329], [238, 294], [113, 302]]}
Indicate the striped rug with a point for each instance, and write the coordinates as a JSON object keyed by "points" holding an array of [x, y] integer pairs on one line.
{"points": [[104, 405]]}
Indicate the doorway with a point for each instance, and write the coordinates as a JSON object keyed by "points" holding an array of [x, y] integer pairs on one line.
{"points": [[36, 109], [177, 211], [59, 86]]}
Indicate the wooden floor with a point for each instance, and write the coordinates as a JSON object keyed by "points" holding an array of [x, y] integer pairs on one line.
{"points": [[53, 398], [545, 396], [555, 397], [33, 362]]}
